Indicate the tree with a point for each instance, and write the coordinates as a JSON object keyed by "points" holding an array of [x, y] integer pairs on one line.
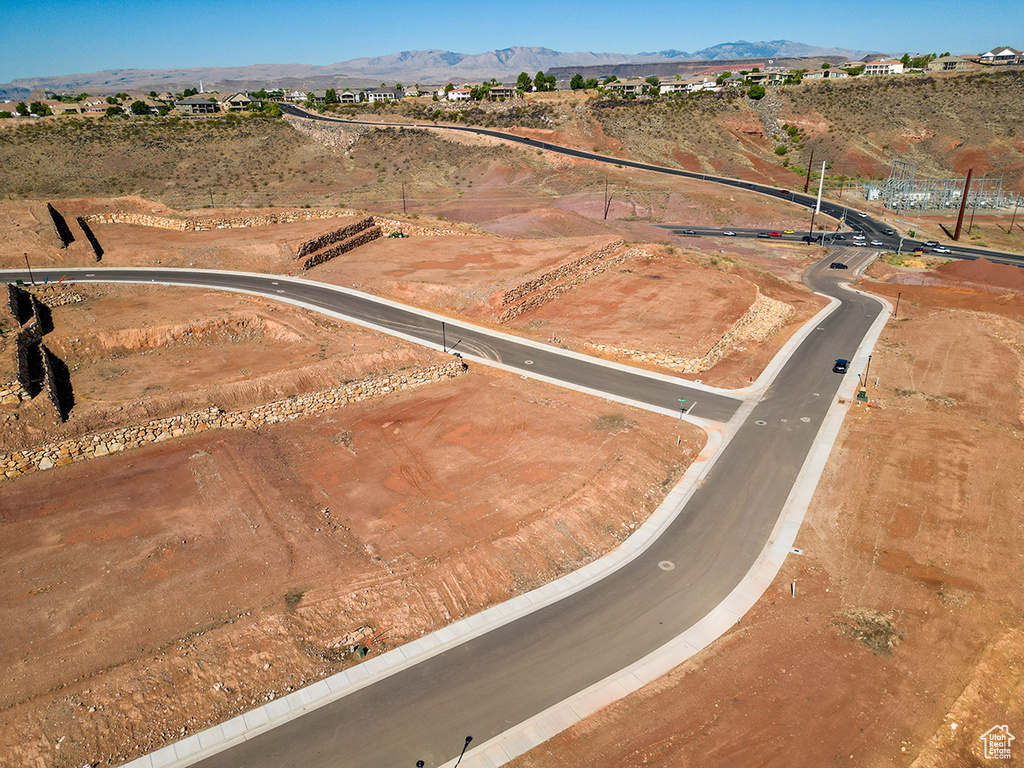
{"points": [[111, 100], [331, 96], [825, 65], [22, 109], [905, 60], [610, 79], [524, 82], [4, 114], [577, 82], [540, 81], [189, 92], [653, 81], [40, 109], [271, 109], [114, 110], [590, 83], [139, 108], [756, 92], [152, 94]]}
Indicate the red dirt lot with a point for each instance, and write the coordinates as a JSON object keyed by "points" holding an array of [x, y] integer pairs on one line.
{"points": [[149, 594], [904, 642]]}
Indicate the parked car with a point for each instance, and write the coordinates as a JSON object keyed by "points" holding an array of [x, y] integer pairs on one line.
{"points": [[837, 265], [842, 365]]}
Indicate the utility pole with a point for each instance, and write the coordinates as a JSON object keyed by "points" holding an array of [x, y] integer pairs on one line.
{"points": [[963, 205], [896, 312], [807, 181], [974, 208], [403, 197], [30, 277], [607, 200], [1014, 217]]}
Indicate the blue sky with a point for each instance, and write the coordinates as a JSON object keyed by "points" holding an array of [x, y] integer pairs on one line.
{"points": [[70, 36]]}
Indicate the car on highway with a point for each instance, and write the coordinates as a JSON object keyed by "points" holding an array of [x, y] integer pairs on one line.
{"points": [[860, 244], [941, 249], [890, 232], [842, 365], [774, 234], [762, 234], [932, 243], [729, 233], [788, 232], [838, 265], [877, 243], [919, 250], [862, 215], [689, 232], [859, 236], [838, 237]]}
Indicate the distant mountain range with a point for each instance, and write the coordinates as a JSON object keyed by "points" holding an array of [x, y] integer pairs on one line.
{"points": [[409, 67]]}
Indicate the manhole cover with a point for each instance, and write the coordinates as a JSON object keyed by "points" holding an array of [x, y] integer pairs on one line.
{"points": [[760, 422], [805, 419], [783, 420], [816, 394], [528, 362], [666, 565]]}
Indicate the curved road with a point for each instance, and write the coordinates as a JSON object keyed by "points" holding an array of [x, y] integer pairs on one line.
{"points": [[501, 678], [859, 221]]}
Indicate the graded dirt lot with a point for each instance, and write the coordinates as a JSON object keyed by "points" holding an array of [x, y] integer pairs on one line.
{"points": [[904, 641], [152, 593]]}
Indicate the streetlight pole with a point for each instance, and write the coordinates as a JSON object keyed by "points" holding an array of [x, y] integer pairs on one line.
{"points": [[464, 746], [30, 276], [1016, 203]]}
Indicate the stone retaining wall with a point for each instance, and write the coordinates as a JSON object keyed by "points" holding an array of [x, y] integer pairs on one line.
{"points": [[60, 227], [759, 323], [14, 294], [326, 255], [28, 337], [543, 297], [314, 245], [97, 249], [158, 430], [13, 393], [207, 225], [514, 294], [58, 294]]}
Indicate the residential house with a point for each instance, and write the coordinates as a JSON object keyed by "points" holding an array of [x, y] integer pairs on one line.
{"points": [[348, 97], [503, 92], [95, 105], [411, 92], [826, 74], [885, 67], [236, 102], [460, 94], [64, 108], [374, 95], [197, 105], [765, 78], [633, 86], [952, 64], [1002, 56]]}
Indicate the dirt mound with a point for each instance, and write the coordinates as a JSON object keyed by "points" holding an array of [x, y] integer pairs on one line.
{"points": [[546, 222], [983, 271]]}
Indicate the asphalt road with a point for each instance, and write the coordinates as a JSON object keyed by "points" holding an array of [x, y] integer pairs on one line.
{"points": [[467, 340], [485, 686]]}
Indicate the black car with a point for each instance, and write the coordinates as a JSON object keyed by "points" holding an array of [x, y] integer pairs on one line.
{"points": [[842, 366], [689, 232], [838, 237], [837, 265], [890, 231], [762, 234]]}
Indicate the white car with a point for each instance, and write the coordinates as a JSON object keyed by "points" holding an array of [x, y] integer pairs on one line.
{"points": [[859, 236], [877, 243], [862, 215], [941, 249], [729, 233]]}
